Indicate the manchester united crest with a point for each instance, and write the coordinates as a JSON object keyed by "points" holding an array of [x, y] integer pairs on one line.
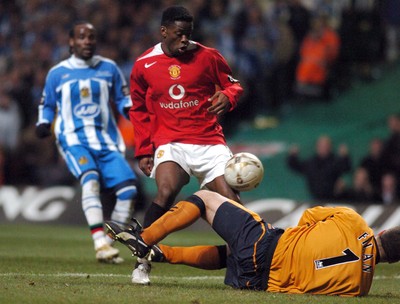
{"points": [[85, 92], [160, 154], [174, 71]]}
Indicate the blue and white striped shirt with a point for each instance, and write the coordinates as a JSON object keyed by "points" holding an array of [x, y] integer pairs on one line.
{"points": [[78, 92]]}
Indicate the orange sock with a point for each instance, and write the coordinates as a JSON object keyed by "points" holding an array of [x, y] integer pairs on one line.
{"points": [[178, 217], [204, 257]]}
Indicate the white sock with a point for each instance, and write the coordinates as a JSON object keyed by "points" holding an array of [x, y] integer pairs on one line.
{"points": [[93, 211], [124, 205]]}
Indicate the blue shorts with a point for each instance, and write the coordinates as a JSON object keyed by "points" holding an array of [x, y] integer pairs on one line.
{"points": [[113, 168], [252, 245]]}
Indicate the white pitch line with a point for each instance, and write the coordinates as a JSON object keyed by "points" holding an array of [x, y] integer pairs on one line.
{"points": [[104, 275], [84, 275], [10, 274], [397, 277]]}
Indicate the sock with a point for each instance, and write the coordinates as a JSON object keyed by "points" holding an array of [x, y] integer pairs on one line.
{"points": [[92, 207], [203, 257], [124, 205], [154, 212], [98, 236], [123, 208], [142, 261], [178, 217]]}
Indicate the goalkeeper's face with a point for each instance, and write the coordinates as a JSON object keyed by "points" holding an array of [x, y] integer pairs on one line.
{"points": [[83, 43]]}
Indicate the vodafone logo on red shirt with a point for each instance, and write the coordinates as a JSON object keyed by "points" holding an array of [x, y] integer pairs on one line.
{"points": [[177, 92]]}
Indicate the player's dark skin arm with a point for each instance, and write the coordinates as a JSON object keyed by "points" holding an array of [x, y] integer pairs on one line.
{"points": [[220, 104]]}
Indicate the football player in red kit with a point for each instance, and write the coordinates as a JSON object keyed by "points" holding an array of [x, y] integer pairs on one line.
{"points": [[178, 89]]}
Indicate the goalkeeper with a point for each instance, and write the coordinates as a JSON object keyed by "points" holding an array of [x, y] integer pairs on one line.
{"points": [[332, 251]]}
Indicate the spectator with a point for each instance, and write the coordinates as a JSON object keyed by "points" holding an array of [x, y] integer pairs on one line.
{"points": [[283, 51], [322, 170], [254, 56], [283, 48], [318, 53], [390, 12], [299, 23], [217, 28], [389, 193], [391, 150], [373, 163], [299, 19], [360, 191], [361, 32], [10, 121]]}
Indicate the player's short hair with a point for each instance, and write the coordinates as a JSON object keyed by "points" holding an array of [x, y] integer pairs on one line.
{"points": [[76, 23], [390, 240], [175, 13], [71, 33]]}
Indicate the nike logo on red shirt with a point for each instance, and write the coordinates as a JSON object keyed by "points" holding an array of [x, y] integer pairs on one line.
{"points": [[147, 65]]}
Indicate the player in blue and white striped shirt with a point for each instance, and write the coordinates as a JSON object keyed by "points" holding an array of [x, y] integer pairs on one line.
{"points": [[77, 95]]}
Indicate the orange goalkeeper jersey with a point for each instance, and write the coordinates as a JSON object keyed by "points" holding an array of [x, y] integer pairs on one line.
{"points": [[331, 251]]}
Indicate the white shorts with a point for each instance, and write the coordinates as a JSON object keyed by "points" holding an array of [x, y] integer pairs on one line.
{"points": [[205, 162]]}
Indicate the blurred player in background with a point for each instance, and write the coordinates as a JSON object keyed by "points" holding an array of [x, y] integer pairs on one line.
{"points": [[178, 89], [331, 251], [77, 92]]}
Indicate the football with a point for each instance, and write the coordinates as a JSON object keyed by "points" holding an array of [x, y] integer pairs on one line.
{"points": [[244, 171]]}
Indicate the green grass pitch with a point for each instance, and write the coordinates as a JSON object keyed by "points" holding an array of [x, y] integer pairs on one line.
{"points": [[56, 264]]}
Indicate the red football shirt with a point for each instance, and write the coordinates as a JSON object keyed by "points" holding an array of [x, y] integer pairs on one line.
{"points": [[170, 97]]}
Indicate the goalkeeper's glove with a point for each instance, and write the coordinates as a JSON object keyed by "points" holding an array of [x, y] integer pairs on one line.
{"points": [[43, 130]]}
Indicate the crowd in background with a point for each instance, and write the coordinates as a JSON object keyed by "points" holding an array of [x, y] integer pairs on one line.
{"points": [[269, 45], [376, 178]]}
